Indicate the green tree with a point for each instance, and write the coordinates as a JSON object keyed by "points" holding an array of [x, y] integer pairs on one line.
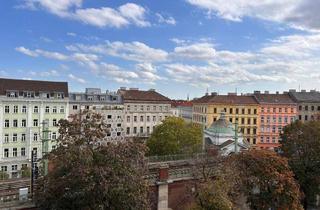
{"points": [[267, 181], [4, 175], [175, 136], [25, 172], [88, 173], [301, 145]]}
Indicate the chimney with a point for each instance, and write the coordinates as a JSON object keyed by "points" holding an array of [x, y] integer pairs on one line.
{"points": [[277, 92], [256, 92], [214, 93], [303, 91], [266, 92], [292, 90]]}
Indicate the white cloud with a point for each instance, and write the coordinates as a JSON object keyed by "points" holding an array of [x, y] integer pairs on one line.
{"points": [[26, 51], [124, 15], [135, 13], [133, 51], [77, 79], [297, 13], [168, 20], [197, 51], [71, 34], [50, 73]]}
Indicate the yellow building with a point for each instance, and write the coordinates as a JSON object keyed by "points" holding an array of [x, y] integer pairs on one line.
{"points": [[241, 109]]}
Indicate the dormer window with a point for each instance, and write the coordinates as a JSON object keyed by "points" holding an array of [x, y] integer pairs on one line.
{"points": [[12, 94], [28, 94], [102, 98], [60, 95], [90, 98]]}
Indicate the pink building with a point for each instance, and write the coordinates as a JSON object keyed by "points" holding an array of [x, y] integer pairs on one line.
{"points": [[277, 111]]}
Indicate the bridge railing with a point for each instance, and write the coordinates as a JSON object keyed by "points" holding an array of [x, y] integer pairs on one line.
{"points": [[166, 158]]}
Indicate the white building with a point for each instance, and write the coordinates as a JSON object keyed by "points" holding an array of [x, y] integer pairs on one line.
{"points": [[108, 104], [24, 106], [221, 135], [143, 110]]}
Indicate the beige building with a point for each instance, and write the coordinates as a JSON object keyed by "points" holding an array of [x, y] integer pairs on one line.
{"points": [[109, 104], [143, 110], [24, 106]]}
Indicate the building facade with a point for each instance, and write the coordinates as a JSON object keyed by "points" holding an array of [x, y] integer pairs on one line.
{"points": [[308, 104], [143, 110], [243, 109], [276, 111], [24, 106], [108, 104], [182, 109]]}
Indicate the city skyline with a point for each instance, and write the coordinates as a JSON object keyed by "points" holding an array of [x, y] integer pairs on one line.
{"points": [[188, 45]]}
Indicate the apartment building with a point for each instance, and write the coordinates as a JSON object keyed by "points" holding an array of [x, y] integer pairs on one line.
{"points": [[276, 111], [143, 110], [183, 109], [308, 104], [24, 106], [108, 104], [243, 109]]}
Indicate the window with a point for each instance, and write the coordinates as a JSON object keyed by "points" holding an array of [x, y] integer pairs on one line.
{"points": [[262, 109], [35, 137], [285, 119], [119, 125], [6, 152], [230, 110], [160, 118], [15, 137], [306, 108], [262, 119], [35, 109], [249, 121], [280, 119], [14, 167], [286, 110], [135, 118], [6, 109], [261, 139], [148, 130], [254, 131], [54, 136], [35, 123], [148, 118], [154, 108], [242, 120], [300, 117], [128, 118], [254, 121], [306, 117], [4, 168], [62, 109], [53, 147], [154, 118], [54, 109], [243, 111], [268, 139], [6, 138], [14, 152], [254, 141], [128, 130], [300, 108], [15, 123], [54, 122], [23, 137], [274, 119], [23, 151], [141, 129], [6, 124], [248, 130], [134, 130], [24, 109], [141, 107], [141, 118], [148, 108], [273, 129], [214, 110], [15, 109], [128, 107], [47, 109], [24, 123], [118, 133], [249, 111], [268, 119], [312, 108], [273, 139], [109, 116], [230, 119], [75, 107], [274, 110]]}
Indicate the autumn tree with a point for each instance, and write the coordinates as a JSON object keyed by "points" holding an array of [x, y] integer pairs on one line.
{"points": [[267, 181], [175, 136], [301, 145], [88, 173]]}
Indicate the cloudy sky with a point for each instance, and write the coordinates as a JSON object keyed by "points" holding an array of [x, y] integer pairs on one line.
{"points": [[178, 47]]}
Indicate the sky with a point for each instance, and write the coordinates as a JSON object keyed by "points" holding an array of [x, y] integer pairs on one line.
{"points": [[178, 47]]}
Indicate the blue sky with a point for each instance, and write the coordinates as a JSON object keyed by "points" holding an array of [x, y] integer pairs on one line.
{"points": [[178, 47]]}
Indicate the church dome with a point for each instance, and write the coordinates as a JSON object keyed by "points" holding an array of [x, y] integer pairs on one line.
{"points": [[221, 126]]}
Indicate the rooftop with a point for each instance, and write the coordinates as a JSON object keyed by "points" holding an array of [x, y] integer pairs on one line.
{"points": [[274, 98], [312, 96], [32, 85], [142, 95], [227, 99]]}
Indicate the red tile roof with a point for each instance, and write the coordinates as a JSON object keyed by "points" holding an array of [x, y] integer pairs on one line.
{"points": [[227, 99], [176, 103], [274, 98], [140, 95], [32, 85]]}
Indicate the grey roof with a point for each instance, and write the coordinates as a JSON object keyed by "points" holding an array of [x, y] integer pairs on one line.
{"points": [[221, 126], [305, 96]]}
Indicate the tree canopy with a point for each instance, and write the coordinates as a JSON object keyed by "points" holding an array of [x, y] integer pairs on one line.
{"points": [[175, 136], [89, 173], [301, 145]]}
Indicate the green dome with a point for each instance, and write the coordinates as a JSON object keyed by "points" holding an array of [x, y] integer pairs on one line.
{"points": [[221, 126]]}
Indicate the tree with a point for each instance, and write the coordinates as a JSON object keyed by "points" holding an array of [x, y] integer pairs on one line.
{"points": [[267, 181], [175, 136], [88, 173], [25, 172], [301, 145], [4, 175]]}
